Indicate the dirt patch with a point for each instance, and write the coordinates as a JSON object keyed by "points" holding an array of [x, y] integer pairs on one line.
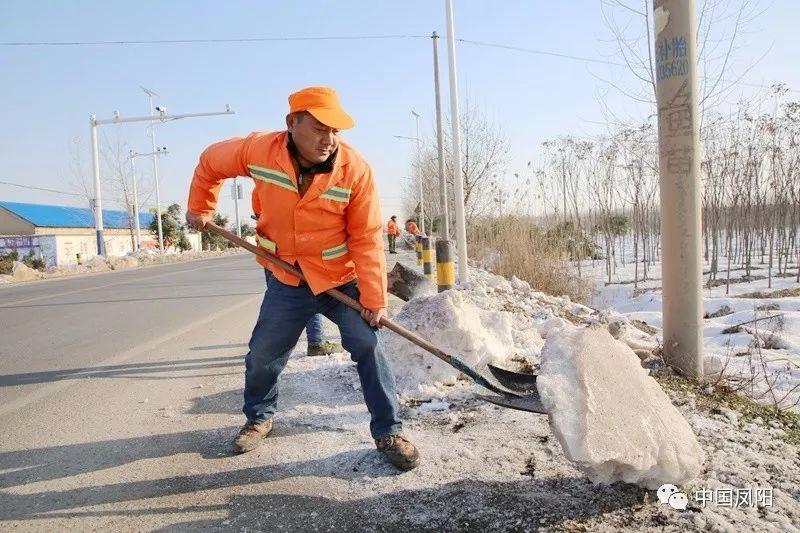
{"points": [[783, 293]]}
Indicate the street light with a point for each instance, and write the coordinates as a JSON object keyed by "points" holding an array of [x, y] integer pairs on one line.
{"points": [[421, 200], [94, 122], [161, 150], [161, 111]]}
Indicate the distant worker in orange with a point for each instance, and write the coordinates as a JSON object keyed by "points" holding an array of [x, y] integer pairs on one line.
{"points": [[321, 212], [411, 227], [393, 230]]}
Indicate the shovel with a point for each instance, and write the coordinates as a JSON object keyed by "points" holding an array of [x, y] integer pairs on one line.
{"points": [[523, 397]]}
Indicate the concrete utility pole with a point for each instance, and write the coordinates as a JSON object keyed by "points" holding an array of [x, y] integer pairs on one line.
{"points": [[445, 229], [679, 173], [458, 179], [94, 123]]}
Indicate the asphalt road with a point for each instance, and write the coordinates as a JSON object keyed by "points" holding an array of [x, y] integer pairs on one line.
{"points": [[60, 328]]}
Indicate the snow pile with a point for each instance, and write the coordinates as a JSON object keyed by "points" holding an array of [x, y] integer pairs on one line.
{"points": [[610, 417], [22, 272], [489, 320], [459, 328]]}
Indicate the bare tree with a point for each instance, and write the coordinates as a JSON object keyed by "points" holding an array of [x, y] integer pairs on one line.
{"points": [[721, 26], [484, 155]]}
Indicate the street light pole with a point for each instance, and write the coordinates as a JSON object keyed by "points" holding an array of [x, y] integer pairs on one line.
{"points": [[135, 201], [94, 122], [150, 95], [420, 178], [133, 155], [445, 230], [458, 180], [236, 203]]}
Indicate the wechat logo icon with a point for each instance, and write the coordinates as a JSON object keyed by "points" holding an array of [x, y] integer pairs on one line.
{"points": [[674, 497]]}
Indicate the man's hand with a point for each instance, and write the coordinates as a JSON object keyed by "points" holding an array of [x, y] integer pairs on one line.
{"points": [[374, 316], [198, 222]]}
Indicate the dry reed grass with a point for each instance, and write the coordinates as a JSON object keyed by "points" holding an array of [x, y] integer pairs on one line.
{"points": [[515, 246]]}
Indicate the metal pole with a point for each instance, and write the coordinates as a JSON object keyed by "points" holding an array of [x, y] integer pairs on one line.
{"points": [[236, 203], [98, 199], [155, 174], [458, 180], [136, 202], [420, 177], [679, 180], [421, 208], [445, 230]]}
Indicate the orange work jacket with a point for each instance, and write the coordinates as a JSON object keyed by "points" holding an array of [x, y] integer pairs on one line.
{"points": [[392, 229], [412, 228], [333, 232]]}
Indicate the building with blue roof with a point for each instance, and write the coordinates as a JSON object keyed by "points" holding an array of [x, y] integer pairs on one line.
{"points": [[29, 219], [64, 235]]}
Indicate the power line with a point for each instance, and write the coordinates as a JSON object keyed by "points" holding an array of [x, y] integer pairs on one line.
{"points": [[39, 188], [586, 59], [549, 53], [214, 41], [542, 52]]}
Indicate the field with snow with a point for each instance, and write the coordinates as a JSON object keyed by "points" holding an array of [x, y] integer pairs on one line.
{"points": [[761, 358]]}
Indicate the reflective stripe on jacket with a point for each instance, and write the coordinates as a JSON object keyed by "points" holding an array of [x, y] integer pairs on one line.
{"points": [[333, 232]]}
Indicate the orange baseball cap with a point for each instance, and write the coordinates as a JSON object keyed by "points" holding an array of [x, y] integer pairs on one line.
{"points": [[323, 104]]}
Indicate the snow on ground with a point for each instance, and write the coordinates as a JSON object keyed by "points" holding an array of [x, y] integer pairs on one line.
{"points": [[762, 359]]}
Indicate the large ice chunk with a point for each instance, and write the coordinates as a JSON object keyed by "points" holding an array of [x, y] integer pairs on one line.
{"points": [[610, 416]]}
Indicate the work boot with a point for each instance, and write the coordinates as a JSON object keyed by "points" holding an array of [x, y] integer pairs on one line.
{"points": [[251, 435], [324, 348], [399, 451]]}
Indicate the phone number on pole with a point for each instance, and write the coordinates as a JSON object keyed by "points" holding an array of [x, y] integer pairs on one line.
{"points": [[676, 67]]}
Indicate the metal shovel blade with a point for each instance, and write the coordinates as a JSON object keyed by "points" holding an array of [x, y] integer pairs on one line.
{"points": [[530, 403], [515, 381]]}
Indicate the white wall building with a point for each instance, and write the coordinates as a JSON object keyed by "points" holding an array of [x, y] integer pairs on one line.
{"points": [[59, 233]]}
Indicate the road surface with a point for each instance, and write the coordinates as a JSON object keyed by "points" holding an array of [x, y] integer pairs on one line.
{"points": [[68, 328]]}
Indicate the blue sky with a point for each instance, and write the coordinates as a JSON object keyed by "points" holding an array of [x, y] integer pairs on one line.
{"points": [[47, 93]]}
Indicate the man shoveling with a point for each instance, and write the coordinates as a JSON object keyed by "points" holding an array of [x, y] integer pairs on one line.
{"points": [[322, 214]]}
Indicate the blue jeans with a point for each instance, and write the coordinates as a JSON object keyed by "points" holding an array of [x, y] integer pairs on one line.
{"points": [[284, 312], [314, 324]]}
